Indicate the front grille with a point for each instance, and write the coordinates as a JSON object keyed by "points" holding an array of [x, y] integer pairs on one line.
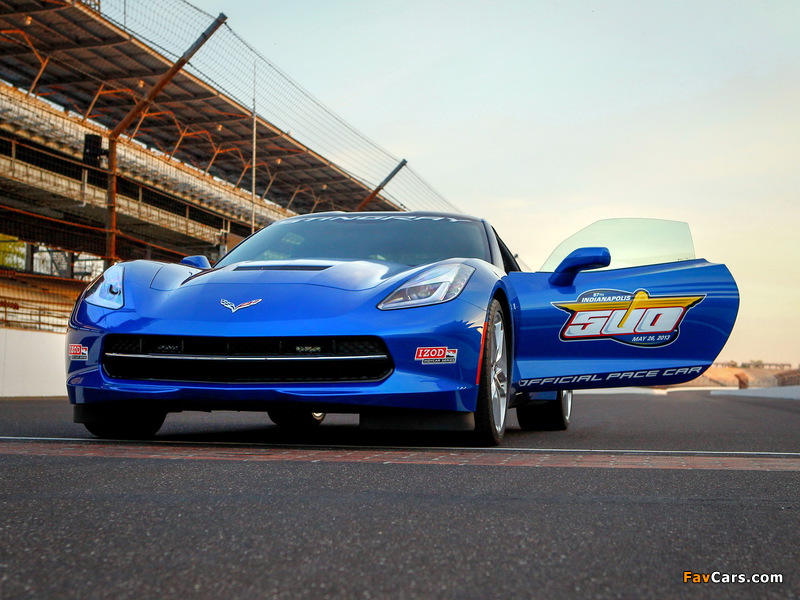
{"points": [[246, 359]]}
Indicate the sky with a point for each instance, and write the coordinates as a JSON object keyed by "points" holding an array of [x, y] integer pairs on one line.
{"points": [[544, 116]]}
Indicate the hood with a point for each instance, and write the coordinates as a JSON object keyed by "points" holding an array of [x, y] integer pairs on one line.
{"points": [[352, 276], [276, 295]]}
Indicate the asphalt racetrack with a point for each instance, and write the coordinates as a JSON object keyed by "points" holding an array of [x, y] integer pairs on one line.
{"points": [[685, 495]]}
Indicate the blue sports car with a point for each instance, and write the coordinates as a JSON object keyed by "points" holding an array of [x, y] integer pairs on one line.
{"points": [[411, 320]]}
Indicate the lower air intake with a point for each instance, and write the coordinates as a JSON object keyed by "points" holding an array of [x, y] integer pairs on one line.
{"points": [[246, 359]]}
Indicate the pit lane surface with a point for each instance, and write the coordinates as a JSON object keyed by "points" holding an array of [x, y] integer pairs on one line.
{"points": [[640, 490]]}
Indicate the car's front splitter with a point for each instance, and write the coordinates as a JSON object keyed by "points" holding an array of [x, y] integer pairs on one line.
{"points": [[399, 390]]}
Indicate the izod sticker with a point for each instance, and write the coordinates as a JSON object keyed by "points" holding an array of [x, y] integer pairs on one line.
{"points": [[436, 355], [77, 352]]}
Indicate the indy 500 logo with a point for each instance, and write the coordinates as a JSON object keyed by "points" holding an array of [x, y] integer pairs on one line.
{"points": [[637, 318]]}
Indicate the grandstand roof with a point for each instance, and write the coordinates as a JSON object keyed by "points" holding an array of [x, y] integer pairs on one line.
{"points": [[68, 53]]}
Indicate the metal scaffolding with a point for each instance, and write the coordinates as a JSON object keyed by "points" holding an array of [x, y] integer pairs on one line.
{"points": [[193, 171]]}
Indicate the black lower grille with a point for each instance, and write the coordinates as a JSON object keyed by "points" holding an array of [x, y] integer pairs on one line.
{"points": [[246, 359]]}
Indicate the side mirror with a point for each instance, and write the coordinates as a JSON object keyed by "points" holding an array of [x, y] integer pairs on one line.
{"points": [[199, 262], [579, 260]]}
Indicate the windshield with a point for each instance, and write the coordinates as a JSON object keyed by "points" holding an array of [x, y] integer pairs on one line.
{"points": [[405, 239]]}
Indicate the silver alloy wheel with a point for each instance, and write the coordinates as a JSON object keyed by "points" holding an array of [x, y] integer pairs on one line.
{"points": [[499, 373]]}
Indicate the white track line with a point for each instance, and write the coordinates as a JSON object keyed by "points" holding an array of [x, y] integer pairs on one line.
{"points": [[419, 448]]}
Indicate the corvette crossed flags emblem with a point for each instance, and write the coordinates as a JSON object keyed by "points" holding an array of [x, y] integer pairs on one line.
{"points": [[234, 308]]}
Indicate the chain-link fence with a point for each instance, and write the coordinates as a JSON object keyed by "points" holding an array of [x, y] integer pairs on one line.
{"points": [[229, 63]]}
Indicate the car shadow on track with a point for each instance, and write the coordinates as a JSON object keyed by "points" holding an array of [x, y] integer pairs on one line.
{"points": [[337, 430]]}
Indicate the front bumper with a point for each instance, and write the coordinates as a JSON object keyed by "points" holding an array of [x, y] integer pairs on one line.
{"points": [[415, 383]]}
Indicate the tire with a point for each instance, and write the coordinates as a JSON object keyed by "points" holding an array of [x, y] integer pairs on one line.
{"points": [[494, 389], [548, 415], [127, 426], [299, 419]]}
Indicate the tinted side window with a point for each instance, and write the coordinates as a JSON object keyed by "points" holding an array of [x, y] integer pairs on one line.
{"points": [[509, 262], [632, 242]]}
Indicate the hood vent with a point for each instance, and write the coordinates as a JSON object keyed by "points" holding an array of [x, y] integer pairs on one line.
{"points": [[282, 268]]}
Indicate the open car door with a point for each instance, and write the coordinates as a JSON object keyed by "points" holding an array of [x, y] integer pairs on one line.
{"points": [[623, 302]]}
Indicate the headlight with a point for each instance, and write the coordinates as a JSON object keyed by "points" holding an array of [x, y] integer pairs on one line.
{"points": [[106, 291], [438, 284]]}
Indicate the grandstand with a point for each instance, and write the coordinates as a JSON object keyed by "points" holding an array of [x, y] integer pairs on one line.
{"points": [[229, 145]]}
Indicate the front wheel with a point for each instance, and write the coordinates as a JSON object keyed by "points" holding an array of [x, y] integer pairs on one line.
{"points": [[494, 389], [547, 415]]}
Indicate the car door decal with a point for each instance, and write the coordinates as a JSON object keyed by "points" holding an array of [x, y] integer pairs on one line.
{"points": [[614, 378], [634, 318]]}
